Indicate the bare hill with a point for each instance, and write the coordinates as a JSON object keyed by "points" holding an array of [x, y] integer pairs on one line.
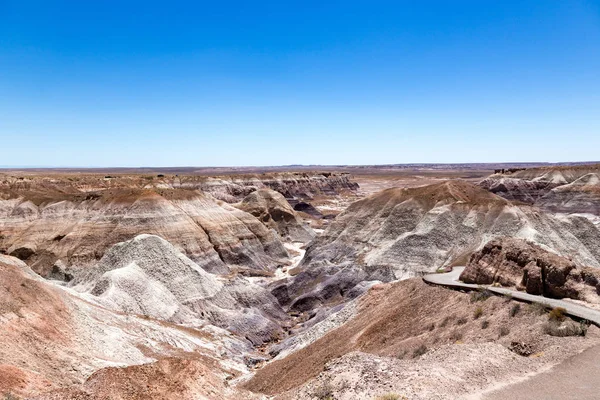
{"points": [[51, 339], [148, 276], [399, 233], [76, 233]]}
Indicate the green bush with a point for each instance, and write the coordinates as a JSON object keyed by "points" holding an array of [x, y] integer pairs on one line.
{"points": [[485, 324]]}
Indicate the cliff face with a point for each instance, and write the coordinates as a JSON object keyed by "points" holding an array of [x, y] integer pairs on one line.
{"points": [[293, 186], [399, 233], [561, 189], [514, 262]]}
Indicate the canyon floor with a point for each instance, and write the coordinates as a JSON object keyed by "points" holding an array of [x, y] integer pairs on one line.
{"points": [[297, 282]]}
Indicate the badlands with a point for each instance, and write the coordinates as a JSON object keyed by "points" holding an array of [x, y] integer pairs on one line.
{"points": [[294, 283]]}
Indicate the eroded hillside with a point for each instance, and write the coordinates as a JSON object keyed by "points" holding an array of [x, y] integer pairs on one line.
{"points": [[227, 287]]}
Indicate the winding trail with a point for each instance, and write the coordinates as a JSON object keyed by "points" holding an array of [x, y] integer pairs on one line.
{"points": [[450, 279]]}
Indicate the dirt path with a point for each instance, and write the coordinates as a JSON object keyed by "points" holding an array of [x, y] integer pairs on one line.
{"points": [[576, 378]]}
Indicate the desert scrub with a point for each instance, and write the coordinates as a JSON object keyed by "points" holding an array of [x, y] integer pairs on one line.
{"points": [[514, 310], [485, 324], [478, 312], [557, 314], [419, 351], [456, 336], [461, 321], [504, 331], [481, 294], [324, 392], [537, 308]]}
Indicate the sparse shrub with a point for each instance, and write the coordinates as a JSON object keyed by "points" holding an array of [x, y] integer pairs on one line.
{"points": [[557, 314], [456, 336], [480, 295], [520, 348], [402, 354], [504, 331], [485, 324], [566, 328], [478, 312], [445, 321], [388, 396], [324, 391], [419, 351], [514, 310], [461, 321], [537, 308], [431, 327]]}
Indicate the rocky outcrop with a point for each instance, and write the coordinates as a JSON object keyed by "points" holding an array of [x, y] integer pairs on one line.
{"points": [[515, 262], [275, 212], [400, 233], [77, 231], [148, 276]]}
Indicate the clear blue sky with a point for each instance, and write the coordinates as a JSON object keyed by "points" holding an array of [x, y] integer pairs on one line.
{"points": [[118, 83]]}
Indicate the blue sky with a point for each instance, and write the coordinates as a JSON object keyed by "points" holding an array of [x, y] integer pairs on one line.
{"points": [[227, 83]]}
